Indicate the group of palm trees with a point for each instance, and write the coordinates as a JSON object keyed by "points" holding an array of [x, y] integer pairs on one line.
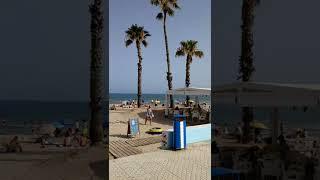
{"points": [[188, 48], [138, 35]]}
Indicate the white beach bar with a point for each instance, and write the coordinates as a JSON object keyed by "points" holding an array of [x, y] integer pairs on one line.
{"points": [[191, 91], [273, 95]]}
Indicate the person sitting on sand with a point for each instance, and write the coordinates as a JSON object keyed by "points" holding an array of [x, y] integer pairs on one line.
{"points": [[77, 137], [14, 145], [67, 139], [149, 115], [83, 140]]}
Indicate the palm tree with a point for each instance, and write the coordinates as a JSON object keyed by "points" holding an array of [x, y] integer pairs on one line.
{"points": [[190, 49], [246, 59], [167, 8], [96, 72], [138, 35]]}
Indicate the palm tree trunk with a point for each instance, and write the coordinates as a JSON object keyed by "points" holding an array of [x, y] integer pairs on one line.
{"points": [[246, 60], [187, 83], [139, 72], [169, 74], [96, 72]]}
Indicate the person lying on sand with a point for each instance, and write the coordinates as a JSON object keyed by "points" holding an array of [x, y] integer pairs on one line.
{"points": [[14, 145], [149, 115]]}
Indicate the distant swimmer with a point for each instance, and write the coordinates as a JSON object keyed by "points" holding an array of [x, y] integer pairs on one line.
{"points": [[3, 122]]}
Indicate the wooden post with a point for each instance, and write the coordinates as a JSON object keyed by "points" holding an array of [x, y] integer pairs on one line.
{"points": [[275, 125]]}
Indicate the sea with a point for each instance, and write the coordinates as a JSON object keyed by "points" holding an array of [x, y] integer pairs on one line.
{"points": [[117, 98], [19, 114]]}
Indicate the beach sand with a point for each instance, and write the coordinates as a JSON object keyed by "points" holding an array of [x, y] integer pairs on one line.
{"points": [[52, 163], [118, 125]]}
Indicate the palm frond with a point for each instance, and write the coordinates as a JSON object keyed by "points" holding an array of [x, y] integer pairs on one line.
{"points": [[169, 11], [136, 33], [198, 54], [159, 16], [145, 43], [180, 52], [189, 48], [176, 6], [154, 2], [128, 42]]}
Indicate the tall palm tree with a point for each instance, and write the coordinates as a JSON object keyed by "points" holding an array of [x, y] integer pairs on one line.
{"points": [[138, 35], [190, 49], [167, 8], [246, 59], [96, 72]]}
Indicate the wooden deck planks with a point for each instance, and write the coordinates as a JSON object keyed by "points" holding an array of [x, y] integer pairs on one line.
{"points": [[121, 149], [144, 141]]}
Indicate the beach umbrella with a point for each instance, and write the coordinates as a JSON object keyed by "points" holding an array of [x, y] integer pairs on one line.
{"points": [[258, 125], [58, 125]]}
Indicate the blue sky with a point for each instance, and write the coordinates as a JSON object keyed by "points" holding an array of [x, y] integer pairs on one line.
{"points": [[192, 21]]}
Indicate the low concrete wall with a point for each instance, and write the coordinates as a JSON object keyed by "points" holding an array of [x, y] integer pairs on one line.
{"points": [[198, 133], [194, 134]]}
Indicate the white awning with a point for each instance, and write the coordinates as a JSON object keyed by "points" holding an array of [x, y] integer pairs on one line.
{"points": [[190, 91], [267, 94]]}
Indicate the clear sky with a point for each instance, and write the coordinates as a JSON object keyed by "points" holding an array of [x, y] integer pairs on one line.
{"points": [[192, 21], [44, 50]]}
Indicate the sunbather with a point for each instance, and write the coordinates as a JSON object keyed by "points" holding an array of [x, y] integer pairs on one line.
{"points": [[14, 145]]}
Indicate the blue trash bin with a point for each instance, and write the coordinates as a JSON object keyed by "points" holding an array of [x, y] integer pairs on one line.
{"points": [[179, 132]]}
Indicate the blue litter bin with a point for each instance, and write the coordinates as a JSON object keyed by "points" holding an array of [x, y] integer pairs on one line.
{"points": [[179, 132]]}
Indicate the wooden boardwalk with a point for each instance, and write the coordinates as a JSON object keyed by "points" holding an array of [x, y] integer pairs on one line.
{"points": [[144, 141], [122, 149]]}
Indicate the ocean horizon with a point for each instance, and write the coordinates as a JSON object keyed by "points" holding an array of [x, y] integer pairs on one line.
{"points": [[116, 98]]}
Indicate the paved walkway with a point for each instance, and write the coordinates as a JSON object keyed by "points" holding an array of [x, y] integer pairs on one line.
{"points": [[191, 164]]}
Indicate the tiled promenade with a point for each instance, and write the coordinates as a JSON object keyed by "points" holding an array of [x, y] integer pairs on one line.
{"points": [[191, 164]]}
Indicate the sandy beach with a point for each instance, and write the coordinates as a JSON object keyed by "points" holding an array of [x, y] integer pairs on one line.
{"points": [[52, 162], [118, 124]]}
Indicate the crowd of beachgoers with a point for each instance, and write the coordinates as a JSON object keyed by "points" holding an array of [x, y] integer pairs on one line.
{"points": [[47, 135], [50, 150], [295, 154]]}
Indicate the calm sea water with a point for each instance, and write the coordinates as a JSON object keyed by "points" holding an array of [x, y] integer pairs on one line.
{"points": [[116, 98], [43, 111]]}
